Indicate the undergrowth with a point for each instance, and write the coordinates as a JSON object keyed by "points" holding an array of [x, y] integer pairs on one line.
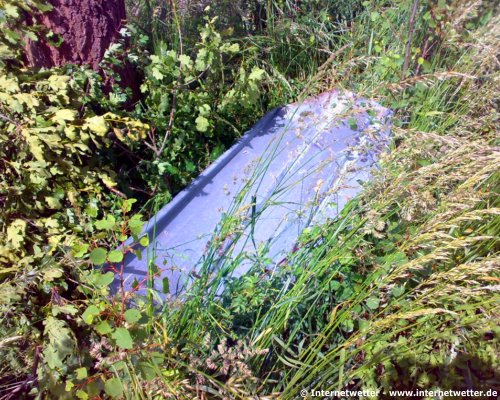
{"points": [[401, 291]]}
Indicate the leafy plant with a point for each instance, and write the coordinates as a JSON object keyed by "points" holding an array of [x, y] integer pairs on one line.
{"points": [[198, 103], [398, 292]]}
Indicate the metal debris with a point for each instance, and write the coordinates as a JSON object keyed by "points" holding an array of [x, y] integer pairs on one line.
{"points": [[297, 167]]}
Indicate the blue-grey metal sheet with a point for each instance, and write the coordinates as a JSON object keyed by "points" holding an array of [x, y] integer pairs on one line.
{"points": [[297, 166]]}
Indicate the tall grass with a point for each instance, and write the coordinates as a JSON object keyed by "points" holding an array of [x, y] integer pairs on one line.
{"points": [[401, 290]]}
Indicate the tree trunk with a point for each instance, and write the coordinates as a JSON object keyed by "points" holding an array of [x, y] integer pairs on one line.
{"points": [[82, 31]]}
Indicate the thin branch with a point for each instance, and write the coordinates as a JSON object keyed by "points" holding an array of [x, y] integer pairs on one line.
{"points": [[151, 136], [5, 118], [195, 79], [116, 191], [411, 30], [128, 152], [170, 125]]}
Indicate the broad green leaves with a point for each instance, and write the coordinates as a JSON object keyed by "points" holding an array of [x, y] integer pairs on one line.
{"points": [[207, 93], [155, 72], [122, 338], [113, 388], [80, 249], [135, 224], [132, 315], [115, 256], [103, 328], [64, 115], [144, 241], [106, 224], [9, 85], [81, 373], [202, 124], [90, 313], [185, 61], [60, 188], [256, 74], [97, 125], [98, 256], [101, 280], [246, 91], [16, 233], [49, 140], [60, 342], [373, 303]]}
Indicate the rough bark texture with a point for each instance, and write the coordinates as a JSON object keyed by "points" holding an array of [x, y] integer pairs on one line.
{"points": [[86, 27]]}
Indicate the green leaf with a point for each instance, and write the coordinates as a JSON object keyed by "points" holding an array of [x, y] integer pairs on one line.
{"points": [[12, 36], [58, 83], [97, 124], [91, 211], [347, 325], [81, 373], [234, 48], [127, 205], [185, 60], [132, 316], [256, 74], [67, 309], [98, 256], [60, 342], [157, 74], [135, 224], [363, 325], [372, 303], [64, 115], [115, 256], [90, 313], [106, 224], [10, 10], [165, 285], [201, 60], [9, 85], [202, 124], [397, 291], [102, 280], [204, 110], [79, 250], [69, 386], [53, 202], [82, 395], [144, 241], [114, 388], [43, 7], [36, 148], [190, 166], [123, 338], [103, 328], [16, 233], [52, 273], [353, 123], [148, 371]]}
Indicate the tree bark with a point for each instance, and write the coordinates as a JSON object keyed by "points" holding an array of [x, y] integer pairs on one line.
{"points": [[83, 30]]}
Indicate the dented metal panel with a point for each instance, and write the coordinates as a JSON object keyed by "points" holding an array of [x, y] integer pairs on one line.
{"points": [[298, 166]]}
